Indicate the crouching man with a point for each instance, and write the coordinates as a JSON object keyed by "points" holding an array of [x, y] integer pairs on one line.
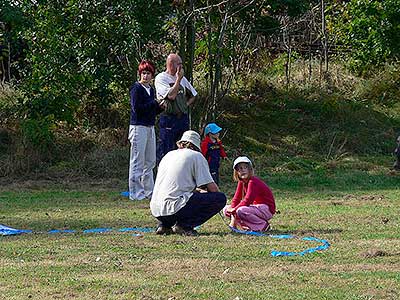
{"points": [[185, 195]]}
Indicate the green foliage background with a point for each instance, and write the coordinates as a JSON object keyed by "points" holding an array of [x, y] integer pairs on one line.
{"points": [[371, 31], [80, 55], [67, 66]]}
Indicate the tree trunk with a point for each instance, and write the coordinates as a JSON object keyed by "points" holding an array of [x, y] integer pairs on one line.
{"points": [[182, 34], [190, 42], [324, 38]]}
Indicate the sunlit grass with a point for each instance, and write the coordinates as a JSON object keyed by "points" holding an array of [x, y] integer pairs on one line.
{"points": [[362, 225]]}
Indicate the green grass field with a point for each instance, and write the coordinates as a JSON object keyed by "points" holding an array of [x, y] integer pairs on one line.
{"points": [[357, 211]]}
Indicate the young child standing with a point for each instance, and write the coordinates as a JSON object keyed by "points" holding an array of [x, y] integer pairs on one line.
{"points": [[212, 149], [253, 204]]}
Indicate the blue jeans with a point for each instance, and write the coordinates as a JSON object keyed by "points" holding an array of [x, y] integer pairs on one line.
{"points": [[199, 209], [171, 129]]}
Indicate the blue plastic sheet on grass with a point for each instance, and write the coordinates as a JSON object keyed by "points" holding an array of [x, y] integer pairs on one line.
{"points": [[124, 194], [140, 229], [325, 244], [54, 231], [5, 230], [97, 230]]}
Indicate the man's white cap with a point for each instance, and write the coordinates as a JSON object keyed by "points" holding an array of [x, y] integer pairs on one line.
{"points": [[192, 137], [242, 159]]}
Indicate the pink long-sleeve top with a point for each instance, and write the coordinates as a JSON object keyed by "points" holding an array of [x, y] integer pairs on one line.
{"points": [[255, 191]]}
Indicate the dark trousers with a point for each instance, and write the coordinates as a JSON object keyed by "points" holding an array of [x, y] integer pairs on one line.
{"points": [[200, 208], [171, 129], [215, 175]]}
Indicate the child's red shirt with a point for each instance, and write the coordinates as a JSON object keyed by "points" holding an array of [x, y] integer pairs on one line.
{"points": [[255, 191]]}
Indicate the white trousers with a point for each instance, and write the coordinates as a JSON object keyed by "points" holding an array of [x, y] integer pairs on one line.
{"points": [[142, 161]]}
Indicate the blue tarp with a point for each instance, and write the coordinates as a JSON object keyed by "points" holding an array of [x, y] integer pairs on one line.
{"points": [[5, 230], [124, 194], [325, 244]]}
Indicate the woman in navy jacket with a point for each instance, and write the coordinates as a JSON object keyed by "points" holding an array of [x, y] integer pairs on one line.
{"points": [[144, 109]]}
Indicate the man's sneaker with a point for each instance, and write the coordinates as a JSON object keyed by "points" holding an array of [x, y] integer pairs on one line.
{"points": [[191, 232], [178, 229], [161, 230], [186, 232]]}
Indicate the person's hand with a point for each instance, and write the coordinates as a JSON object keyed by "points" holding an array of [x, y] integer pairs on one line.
{"points": [[233, 223], [230, 210], [179, 72], [201, 190], [163, 104]]}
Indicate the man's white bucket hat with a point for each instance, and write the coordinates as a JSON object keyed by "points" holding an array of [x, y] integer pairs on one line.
{"points": [[192, 137], [242, 159]]}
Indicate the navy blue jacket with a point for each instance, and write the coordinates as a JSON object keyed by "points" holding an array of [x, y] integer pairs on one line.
{"points": [[144, 107]]}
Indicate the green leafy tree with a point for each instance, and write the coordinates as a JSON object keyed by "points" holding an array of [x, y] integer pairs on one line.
{"points": [[227, 34], [82, 55], [12, 22], [370, 29]]}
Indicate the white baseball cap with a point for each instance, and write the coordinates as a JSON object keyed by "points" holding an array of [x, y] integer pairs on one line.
{"points": [[242, 159], [192, 137]]}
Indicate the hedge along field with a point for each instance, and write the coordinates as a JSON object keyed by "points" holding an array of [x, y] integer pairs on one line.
{"points": [[362, 226]]}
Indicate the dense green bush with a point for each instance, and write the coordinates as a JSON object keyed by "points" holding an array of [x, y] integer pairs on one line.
{"points": [[81, 56], [370, 29]]}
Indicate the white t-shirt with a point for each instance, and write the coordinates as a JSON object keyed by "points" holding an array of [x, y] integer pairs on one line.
{"points": [[164, 82], [179, 173], [147, 88]]}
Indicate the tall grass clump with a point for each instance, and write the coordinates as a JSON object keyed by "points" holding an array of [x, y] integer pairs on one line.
{"points": [[381, 88], [42, 147], [42, 151]]}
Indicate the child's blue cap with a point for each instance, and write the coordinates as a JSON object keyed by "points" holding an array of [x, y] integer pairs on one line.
{"points": [[212, 128]]}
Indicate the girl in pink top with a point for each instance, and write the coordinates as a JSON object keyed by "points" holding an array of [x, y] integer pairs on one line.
{"points": [[253, 204]]}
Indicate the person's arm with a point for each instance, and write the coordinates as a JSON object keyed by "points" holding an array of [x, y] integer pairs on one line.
{"points": [[397, 151], [173, 92], [222, 150], [160, 108], [212, 187], [204, 147], [190, 92], [191, 100], [138, 100], [236, 198], [251, 194]]}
